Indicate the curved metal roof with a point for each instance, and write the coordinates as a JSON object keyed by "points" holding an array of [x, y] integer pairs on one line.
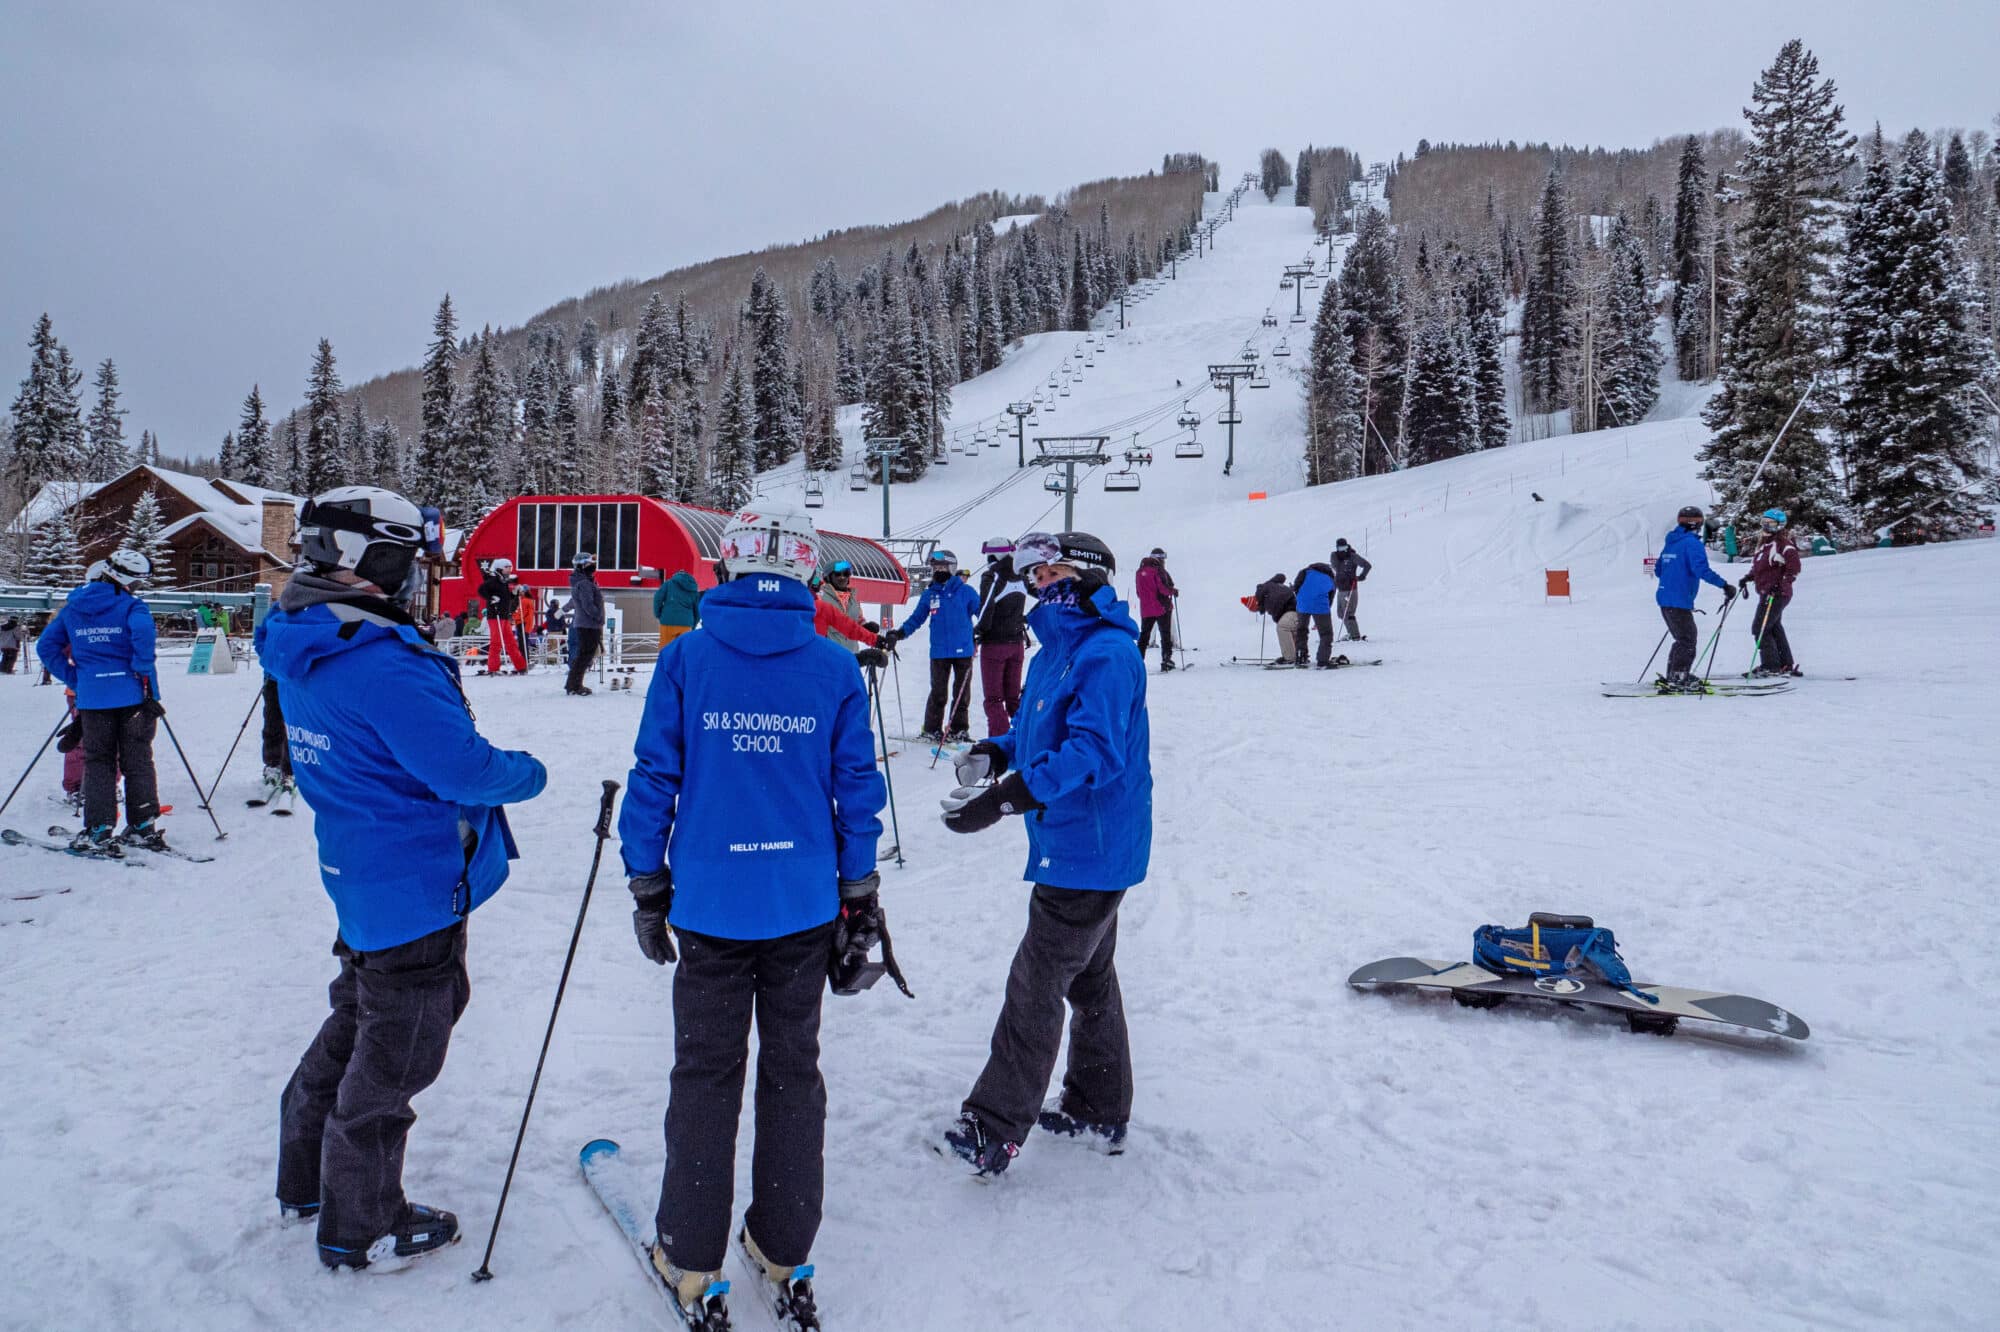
{"points": [[704, 527]]}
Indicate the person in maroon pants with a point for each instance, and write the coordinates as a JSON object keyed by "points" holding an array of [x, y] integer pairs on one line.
{"points": [[1156, 606], [1001, 632]]}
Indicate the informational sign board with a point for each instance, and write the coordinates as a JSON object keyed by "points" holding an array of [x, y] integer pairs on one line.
{"points": [[212, 655]]}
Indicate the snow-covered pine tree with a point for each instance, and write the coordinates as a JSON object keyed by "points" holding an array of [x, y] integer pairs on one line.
{"points": [[689, 481], [735, 465], [587, 339], [325, 467], [893, 388], [105, 429], [774, 404], [1440, 419], [1912, 357], [1079, 288], [356, 463], [253, 443], [48, 426], [536, 470], [149, 448], [1628, 374], [654, 473], [1274, 173], [1489, 379], [1690, 261], [226, 462], [292, 449], [1371, 295], [651, 349], [1779, 334], [485, 439], [55, 555], [1302, 179], [430, 473], [566, 438], [142, 533], [385, 458], [1548, 336], [1334, 442], [612, 472]]}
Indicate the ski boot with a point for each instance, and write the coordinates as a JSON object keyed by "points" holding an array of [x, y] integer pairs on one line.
{"points": [[700, 1297], [1680, 682], [957, 738], [292, 1214], [97, 842], [787, 1291], [1108, 1139], [419, 1231], [146, 836], [929, 738], [1279, 666], [274, 785], [1165, 667], [968, 1143], [581, 691]]}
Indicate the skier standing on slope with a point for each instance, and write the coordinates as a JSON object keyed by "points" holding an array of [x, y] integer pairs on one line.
{"points": [[677, 606], [1681, 569], [501, 601], [1772, 570], [406, 798], [1077, 765], [1350, 570], [1314, 587], [749, 829], [1156, 594], [100, 645], [11, 639], [1001, 634], [956, 606], [587, 627], [1274, 598]]}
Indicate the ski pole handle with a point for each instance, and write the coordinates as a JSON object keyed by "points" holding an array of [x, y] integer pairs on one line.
{"points": [[603, 829]]}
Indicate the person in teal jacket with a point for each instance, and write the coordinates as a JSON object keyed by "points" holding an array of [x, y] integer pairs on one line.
{"points": [[677, 606], [1077, 767], [406, 798]]}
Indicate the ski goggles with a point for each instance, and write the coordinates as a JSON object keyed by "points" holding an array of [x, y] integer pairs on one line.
{"points": [[1036, 549], [839, 567], [338, 519]]}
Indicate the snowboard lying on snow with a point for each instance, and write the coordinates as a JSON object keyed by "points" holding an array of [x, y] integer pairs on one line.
{"points": [[1476, 987]]}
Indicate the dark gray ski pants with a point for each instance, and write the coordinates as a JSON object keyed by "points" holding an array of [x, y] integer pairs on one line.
{"points": [[1680, 623], [1066, 955], [119, 740], [718, 985], [346, 1115]]}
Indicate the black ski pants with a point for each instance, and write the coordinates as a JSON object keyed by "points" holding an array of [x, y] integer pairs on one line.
{"points": [[951, 685], [1680, 623], [345, 1115], [584, 652], [1066, 955], [119, 740], [719, 985], [277, 754], [1323, 622], [1774, 650], [1166, 627]]}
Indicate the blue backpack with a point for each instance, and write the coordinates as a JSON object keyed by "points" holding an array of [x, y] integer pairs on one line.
{"points": [[1554, 945]]}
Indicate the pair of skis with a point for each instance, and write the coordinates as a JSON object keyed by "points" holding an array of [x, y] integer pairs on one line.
{"points": [[624, 1195], [1709, 689], [14, 837]]}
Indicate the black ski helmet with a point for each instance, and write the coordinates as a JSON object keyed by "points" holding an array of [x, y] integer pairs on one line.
{"points": [[1691, 513], [1080, 549], [372, 533]]}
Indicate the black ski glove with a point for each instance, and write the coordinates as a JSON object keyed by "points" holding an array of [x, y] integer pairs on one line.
{"points": [[888, 639], [975, 809], [859, 927], [654, 895], [153, 708], [981, 763], [872, 656]]}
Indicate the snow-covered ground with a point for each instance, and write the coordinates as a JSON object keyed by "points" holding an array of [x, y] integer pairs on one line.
{"points": [[1301, 1154]]}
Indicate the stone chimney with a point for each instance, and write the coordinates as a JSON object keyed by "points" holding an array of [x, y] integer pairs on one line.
{"points": [[280, 530]]}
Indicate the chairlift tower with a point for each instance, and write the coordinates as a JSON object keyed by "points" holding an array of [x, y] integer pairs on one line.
{"points": [[1225, 377], [1020, 411], [1298, 273], [883, 450], [1070, 452]]}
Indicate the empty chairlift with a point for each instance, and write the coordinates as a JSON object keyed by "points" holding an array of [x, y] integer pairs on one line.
{"points": [[815, 491], [1121, 481], [1282, 349], [1188, 448], [857, 477]]}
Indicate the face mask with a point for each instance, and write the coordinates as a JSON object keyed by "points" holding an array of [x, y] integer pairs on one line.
{"points": [[940, 575], [1062, 592]]}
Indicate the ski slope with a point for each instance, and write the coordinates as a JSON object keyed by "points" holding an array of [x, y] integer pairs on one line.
{"points": [[1301, 1155]]}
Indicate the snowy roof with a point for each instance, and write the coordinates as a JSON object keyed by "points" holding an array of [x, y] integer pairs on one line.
{"points": [[240, 523], [250, 494], [52, 499], [1001, 224]]}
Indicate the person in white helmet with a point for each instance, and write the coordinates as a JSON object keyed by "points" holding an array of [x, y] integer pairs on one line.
{"points": [[749, 830], [500, 591], [100, 645]]}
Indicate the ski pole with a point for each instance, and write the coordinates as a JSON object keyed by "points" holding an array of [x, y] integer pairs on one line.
{"points": [[1715, 639], [895, 830], [603, 830], [958, 695], [1656, 652], [216, 785], [896, 670], [1763, 624], [61, 722], [207, 808]]}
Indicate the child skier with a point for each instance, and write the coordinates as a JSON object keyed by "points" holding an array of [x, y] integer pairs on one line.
{"points": [[406, 798], [749, 829], [1077, 764], [101, 646]]}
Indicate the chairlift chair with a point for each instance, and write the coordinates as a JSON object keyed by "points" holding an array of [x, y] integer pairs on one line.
{"points": [[815, 492], [1270, 321], [1121, 481], [857, 477], [1282, 349], [1189, 420], [1188, 448], [1250, 354], [1298, 319], [1053, 483], [1286, 285], [1260, 379], [1063, 392], [1138, 457]]}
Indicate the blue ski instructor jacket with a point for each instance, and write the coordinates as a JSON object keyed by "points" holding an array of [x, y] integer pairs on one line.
{"points": [[100, 644], [1316, 585], [405, 792], [1082, 744], [1682, 568], [755, 778], [956, 606]]}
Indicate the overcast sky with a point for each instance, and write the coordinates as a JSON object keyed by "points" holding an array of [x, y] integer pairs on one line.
{"points": [[202, 190]]}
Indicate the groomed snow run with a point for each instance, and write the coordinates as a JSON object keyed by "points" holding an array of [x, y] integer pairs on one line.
{"points": [[1301, 1155]]}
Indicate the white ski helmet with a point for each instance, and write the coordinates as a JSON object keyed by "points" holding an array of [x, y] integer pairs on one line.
{"points": [[503, 565], [125, 568], [771, 541], [372, 533]]}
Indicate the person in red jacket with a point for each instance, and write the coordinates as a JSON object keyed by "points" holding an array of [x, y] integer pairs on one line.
{"points": [[1156, 606], [1772, 569]]}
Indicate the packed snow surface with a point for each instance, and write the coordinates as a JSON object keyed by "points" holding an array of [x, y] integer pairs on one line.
{"points": [[1301, 1154]]}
